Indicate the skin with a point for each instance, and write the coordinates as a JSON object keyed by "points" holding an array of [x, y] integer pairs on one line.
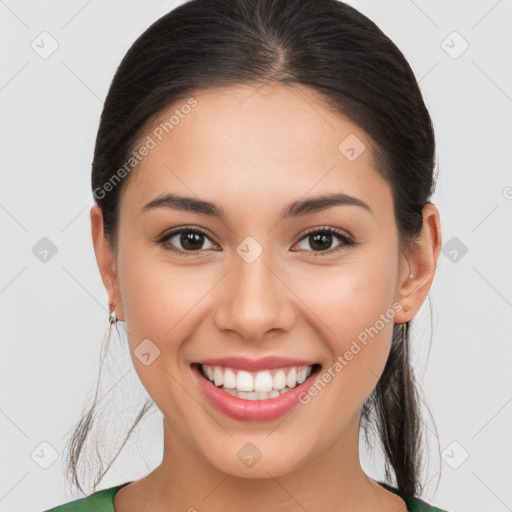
{"points": [[253, 150]]}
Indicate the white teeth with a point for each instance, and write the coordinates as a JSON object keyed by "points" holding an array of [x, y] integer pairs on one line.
{"points": [[279, 380], [291, 380], [263, 381], [257, 385], [218, 376], [244, 381], [255, 395], [301, 375], [229, 379]]}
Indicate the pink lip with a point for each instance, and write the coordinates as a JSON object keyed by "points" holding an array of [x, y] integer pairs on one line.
{"points": [[256, 365], [251, 410]]}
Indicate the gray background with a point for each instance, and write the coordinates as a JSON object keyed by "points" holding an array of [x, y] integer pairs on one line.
{"points": [[54, 312]]}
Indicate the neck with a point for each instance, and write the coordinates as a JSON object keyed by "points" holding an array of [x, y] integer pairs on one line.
{"points": [[332, 480]]}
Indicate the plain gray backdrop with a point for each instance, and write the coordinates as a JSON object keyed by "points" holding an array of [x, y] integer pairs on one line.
{"points": [[58, 59]]}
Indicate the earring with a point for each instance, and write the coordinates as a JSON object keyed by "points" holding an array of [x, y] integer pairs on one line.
{"points": [[112, 317], [407, 308]]}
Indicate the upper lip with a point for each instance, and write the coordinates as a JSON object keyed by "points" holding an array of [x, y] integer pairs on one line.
{"points": [[256, 365]]}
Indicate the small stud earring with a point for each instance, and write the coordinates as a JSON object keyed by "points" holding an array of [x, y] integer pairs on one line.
{"points": [[407, 308], [112, 317]]}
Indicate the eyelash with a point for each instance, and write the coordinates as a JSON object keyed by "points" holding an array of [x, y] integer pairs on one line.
{"points": [[346, 241]]}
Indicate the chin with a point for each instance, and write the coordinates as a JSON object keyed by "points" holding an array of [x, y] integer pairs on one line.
{"points": [[257, 457]]}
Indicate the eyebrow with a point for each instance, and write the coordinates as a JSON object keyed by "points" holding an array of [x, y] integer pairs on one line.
{"points": [[295, 209]]}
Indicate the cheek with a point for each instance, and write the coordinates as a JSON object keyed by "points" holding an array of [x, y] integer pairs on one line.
{"points": [[163, 303], [354, 310], [157, 295], [159, 303], [357, 301], [352, 296]]}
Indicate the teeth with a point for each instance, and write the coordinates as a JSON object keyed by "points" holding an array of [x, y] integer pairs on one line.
{"points": [[279, 380], [229, 379], [302, 375], [291, 380], [218, 376], [257, 385], [263, 382], [244, 381]]}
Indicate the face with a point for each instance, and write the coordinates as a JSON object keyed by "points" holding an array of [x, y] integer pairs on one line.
{"points": [[262, 290]]}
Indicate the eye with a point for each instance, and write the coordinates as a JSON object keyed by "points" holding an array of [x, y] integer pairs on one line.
{"points": [[322, 238], [191, 240]]}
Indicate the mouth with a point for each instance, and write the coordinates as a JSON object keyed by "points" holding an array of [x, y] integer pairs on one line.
{"points": [[255, 394], [262, 385]]}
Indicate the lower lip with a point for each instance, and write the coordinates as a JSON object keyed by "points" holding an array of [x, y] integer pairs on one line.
{"points": [[252, 410]]}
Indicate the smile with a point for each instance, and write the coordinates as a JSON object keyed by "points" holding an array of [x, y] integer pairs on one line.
{"points": [[256, 385], [255, 390]]}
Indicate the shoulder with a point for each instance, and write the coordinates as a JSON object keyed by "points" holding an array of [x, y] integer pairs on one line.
{"points": [[417, 505], [99, 501], [413, 504]]}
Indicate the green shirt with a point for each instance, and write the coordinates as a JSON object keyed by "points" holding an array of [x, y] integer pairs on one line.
{"points": [[103, 501]]}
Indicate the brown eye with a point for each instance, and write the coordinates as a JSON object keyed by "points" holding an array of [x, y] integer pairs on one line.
{"points": [[187, 240], [321, 240]]}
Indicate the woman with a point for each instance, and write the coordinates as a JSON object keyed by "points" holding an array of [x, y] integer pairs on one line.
{"points": [[263, 226]]}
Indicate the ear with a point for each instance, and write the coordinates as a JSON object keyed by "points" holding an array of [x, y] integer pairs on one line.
{"points": [[418, 266], [105, 258]]}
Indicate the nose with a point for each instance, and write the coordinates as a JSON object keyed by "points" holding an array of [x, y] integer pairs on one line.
{"points": [[253, 300]]}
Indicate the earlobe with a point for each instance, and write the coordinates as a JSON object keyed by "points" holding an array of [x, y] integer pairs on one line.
{"points": [[420, 265], [104, 256]]}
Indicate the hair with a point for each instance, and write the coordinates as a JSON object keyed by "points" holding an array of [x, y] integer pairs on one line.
{"points": [[336, 51]]}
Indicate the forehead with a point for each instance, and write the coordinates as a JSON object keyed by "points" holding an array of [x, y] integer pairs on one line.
{"points": [[261, 141]]}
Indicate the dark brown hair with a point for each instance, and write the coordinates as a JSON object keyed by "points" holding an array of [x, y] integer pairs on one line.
{"points": [[336, 51]]}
